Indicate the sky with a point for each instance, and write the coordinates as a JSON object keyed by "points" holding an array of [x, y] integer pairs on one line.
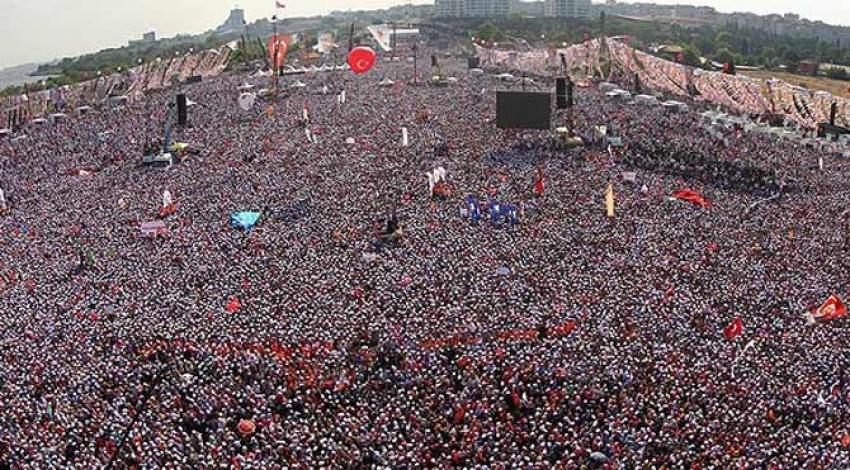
{"points": [[43, 30]]}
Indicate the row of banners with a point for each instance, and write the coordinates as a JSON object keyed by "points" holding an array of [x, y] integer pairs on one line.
{"points": [[739, 93], [154, 75]]}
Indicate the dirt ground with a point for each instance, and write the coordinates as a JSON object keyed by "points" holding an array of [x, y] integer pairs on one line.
{"points": [[836, 87]]}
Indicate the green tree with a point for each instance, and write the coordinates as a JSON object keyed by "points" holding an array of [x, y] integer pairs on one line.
{"points": [[212, 41], [768, 56], [724, 55], [791, 59], [724, 37], [488, 31], [692, 55]]}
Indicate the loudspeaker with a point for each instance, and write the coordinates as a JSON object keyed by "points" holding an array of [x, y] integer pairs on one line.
{"points": [[523, 110], [433, 60], [832, 112], [561, 93], [570, 101], [473, 62], [181, 109]]}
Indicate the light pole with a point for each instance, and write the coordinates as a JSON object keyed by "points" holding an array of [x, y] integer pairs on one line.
{"points": [[275, 69], [414, 48]]}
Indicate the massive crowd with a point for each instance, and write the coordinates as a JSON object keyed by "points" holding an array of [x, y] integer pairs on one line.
{"points": [[568, 340]]}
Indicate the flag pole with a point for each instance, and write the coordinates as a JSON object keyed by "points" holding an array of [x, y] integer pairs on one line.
{"points": [[274, 56]]}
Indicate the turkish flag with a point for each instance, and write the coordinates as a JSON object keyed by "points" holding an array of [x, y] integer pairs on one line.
{"points": [[693, 197], [831, 309], [734, 329], [564, 329], [278, 45]]}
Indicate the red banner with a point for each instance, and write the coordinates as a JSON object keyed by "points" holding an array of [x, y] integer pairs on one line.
{"points": [[693, 197], [831, 309]]}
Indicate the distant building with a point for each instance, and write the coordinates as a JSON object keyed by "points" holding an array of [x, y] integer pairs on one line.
{"points": [[472, 8], [147, 38], [689, 15], [527, 8], [389, 37], [569, 8], [235, 22], [808, 67]]}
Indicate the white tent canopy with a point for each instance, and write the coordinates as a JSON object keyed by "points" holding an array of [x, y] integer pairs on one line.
{"points": [[646, 100], [710, 115], [607, 86], [676, 106], [386, 82], [619, 93]]}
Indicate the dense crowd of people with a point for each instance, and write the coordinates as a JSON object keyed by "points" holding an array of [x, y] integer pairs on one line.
{"points": [[567, 340]]}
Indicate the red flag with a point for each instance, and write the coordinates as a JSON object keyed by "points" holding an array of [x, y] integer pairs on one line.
{"points": [[831, 309], [564, 329], [539, 185], [278, 46], [734, 329], [246, 426], [693, 197], [233, 305]]}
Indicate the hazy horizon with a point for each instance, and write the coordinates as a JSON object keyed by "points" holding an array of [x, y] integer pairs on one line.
{"points": [[84, 26]]}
